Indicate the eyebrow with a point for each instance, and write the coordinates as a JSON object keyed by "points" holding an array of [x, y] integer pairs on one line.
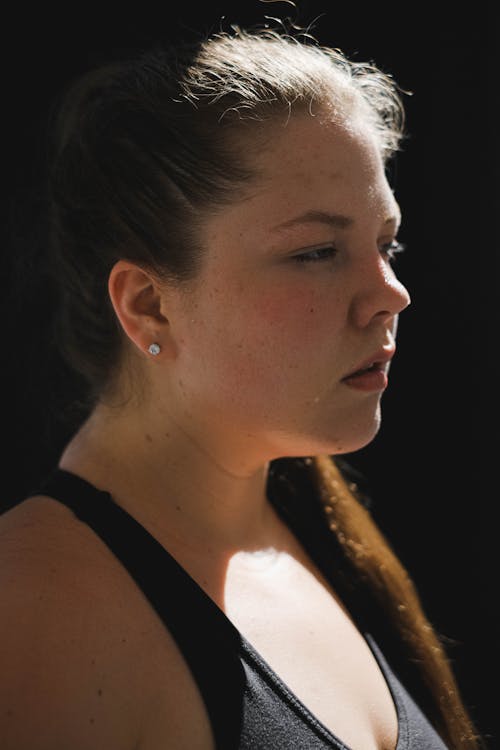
{"points": [[337, 221]]}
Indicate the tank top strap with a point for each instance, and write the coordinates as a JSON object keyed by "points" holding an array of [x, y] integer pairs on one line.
{"points": [[206, 637]]}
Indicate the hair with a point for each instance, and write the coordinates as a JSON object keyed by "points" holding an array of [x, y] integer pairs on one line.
{"points": [[141, 151], [373, 559]]}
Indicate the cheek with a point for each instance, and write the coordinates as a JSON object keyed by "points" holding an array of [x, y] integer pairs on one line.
{"points": [[298, 316], [257, 339], [286, 307]]}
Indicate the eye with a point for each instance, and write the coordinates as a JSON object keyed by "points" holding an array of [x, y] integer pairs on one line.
{"points": [[316, 255], [391, 249]]}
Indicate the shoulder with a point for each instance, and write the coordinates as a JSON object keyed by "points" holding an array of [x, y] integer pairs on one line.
{"points": [[75, 636], [58, 684], [45, 549]]}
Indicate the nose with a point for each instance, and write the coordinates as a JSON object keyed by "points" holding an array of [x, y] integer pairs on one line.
{"points": [[380, 295]]}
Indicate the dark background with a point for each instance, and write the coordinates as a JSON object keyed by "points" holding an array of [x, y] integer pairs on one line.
{"points": [[429, 472]]}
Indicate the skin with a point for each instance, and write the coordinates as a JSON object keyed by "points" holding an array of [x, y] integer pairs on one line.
{"points": [[253, 353], [250, 369]]}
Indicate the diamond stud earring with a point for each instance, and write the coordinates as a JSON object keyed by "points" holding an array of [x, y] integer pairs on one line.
{"points": [[154, 349]]}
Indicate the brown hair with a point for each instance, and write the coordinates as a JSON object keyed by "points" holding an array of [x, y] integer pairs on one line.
{"points": [[143, 149], [140, 150], [375, 562]]}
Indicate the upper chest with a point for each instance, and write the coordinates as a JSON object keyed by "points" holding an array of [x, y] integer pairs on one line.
{"points": [[293, 619], [290, 616], [284, 608]]}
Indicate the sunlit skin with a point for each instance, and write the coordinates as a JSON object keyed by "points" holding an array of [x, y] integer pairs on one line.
{"points": [[254, 352], [251, 368]]}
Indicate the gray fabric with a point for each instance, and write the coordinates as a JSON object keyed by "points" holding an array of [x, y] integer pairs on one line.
{"points": [[249, 706]]}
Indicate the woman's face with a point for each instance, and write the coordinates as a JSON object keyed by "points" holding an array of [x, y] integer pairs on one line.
{"points": [[286, 307]]}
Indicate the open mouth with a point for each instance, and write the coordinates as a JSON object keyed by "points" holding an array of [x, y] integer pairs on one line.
{"points": [[373, 377], [370, 368]]}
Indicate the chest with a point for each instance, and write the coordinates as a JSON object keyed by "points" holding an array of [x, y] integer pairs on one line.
{"points": [[288, 613], [291, 617]]}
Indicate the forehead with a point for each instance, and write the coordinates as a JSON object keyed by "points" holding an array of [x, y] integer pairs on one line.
{"points": [[339, 147], [316, 158], [312, 164]]}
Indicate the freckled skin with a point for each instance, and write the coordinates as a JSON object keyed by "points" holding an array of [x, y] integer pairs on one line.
{"points": [[274, 338], [255, 348], [253, 353]]}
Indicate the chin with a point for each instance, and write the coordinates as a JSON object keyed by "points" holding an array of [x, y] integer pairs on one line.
{"points": [[354, 445], [315, 445], [356, 435], [342, 433]]}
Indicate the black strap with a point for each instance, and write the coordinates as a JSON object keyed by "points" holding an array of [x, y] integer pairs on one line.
{"points": [[206, 637]]}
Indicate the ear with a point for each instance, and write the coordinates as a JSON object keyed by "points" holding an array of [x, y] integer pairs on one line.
{"points": [[137, 298]]}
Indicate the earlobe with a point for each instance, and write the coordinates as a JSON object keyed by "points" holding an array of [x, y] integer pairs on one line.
{"points": [[136, 297]]}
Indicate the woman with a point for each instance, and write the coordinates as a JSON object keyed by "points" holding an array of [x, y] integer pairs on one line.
{"points": [[197, 572]]}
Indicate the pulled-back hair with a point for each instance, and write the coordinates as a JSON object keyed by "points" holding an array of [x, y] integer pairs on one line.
{"points": [[141, 151]]}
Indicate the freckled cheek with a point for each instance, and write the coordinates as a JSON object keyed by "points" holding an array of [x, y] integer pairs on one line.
{"points": [[294, 312], [255, 352], [274, 332], [251, 337]]}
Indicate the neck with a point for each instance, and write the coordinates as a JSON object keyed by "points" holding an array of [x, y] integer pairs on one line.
{"points": [[198, 491]]}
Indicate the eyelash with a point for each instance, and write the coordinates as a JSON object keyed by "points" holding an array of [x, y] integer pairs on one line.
{"points": [[307, 257], [390, 249]]}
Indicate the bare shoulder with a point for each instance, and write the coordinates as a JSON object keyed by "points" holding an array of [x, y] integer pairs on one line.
{"points": [[86, 662]]}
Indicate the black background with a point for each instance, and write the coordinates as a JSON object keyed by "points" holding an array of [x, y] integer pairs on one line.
{"points": [[429, 472]]}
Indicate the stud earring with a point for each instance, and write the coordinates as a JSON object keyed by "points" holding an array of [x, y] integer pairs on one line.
{"points": [[154, 349]]}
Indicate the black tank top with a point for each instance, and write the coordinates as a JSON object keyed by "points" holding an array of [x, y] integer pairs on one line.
{"points": [[249, 706]]}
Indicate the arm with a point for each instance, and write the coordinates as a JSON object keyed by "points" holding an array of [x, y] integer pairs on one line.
{"points": [[61, 679]]}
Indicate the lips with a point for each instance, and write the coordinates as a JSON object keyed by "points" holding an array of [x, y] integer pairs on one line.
{"points": [[376, 361]]}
